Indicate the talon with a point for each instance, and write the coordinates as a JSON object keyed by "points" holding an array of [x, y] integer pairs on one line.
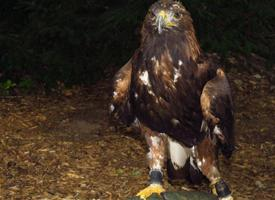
{"points": [[227, 198], [147, 192]]}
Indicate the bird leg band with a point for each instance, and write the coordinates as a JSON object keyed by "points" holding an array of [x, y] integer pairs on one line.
{"points": [[156, 177], [220, 188]]}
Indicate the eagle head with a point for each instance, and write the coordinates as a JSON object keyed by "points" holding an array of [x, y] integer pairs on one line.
{"points": [[167, 15]]}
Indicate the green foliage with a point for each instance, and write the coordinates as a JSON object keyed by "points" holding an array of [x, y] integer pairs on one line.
{"points": [[26, 84], [7, 85], [46, 41]]}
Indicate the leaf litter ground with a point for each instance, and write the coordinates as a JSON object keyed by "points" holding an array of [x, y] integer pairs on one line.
{"points": [[62, 146]]}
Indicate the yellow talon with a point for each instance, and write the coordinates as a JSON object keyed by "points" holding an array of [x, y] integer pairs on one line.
{"points": [[147, 192]]}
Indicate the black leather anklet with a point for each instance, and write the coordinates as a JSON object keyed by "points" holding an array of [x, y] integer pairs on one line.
{"points": [[222, 189], [155, 177]]}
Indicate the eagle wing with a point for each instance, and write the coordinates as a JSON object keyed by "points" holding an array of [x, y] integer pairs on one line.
{"points": [[120, 107], [217, 109]]}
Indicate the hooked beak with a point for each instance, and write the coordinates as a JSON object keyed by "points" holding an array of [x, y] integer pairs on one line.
{"points": [[164, 20]]}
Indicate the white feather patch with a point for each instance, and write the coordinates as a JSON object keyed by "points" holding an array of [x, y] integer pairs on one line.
{"points": [[136, 122], [112, 108], [192, 162], [115, 94], [144, 77], [204, 127], [151, 92], [118, 80], [217, 131], [176, 74], [178, 153], [155, 140], [175, 122], [199, 163], [156, 165]]}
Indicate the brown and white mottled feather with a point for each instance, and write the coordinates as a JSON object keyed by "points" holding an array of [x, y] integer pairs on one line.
{"points": [[217, 109], [162, 84], [120, 107]]}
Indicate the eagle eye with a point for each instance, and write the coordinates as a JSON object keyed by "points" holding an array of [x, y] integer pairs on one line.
{"points": [[177, 15]]}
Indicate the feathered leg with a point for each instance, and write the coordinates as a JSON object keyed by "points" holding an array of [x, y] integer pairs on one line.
{"points": [[156, 158], [206, 159], [179, 164]]}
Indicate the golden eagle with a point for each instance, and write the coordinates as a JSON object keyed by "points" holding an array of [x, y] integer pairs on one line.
{"points": [[180, 99]]}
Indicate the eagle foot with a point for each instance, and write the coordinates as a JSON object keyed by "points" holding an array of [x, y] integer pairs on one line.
{"points": [[151, 189], [221, 189]]}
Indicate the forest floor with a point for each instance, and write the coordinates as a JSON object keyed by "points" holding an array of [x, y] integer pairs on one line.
{"points": [[62, 146]]}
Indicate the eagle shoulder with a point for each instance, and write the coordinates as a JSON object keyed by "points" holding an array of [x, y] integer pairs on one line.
{"points": [[120, 107]]}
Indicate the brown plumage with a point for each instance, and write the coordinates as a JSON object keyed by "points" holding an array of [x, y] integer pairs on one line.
{"points": [[171, 88]]}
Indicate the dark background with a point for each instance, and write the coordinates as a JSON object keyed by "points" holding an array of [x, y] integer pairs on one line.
{"points": [[43, 42]]}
